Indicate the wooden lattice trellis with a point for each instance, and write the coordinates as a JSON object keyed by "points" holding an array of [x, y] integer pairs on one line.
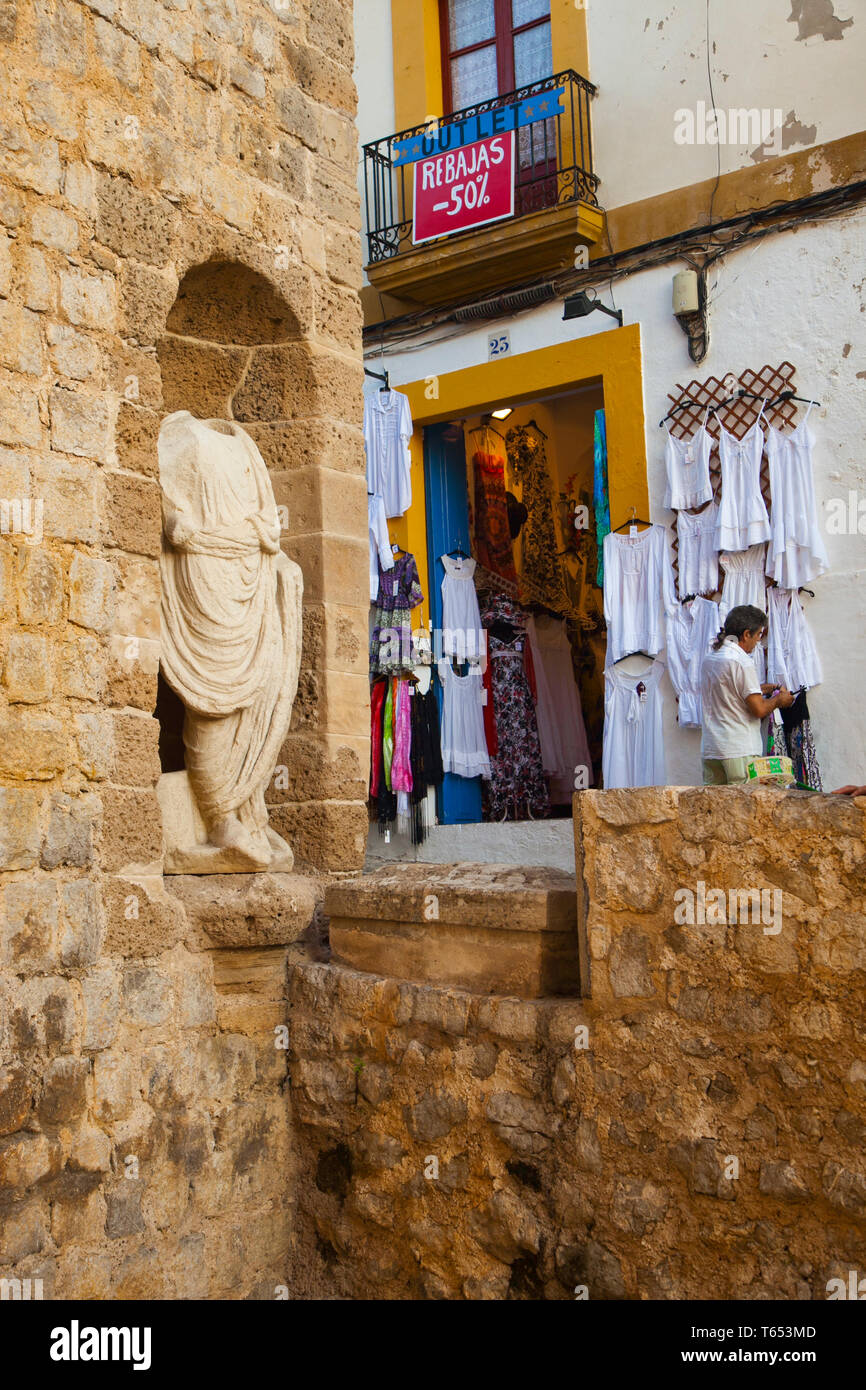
{"points": [[737, 418]]}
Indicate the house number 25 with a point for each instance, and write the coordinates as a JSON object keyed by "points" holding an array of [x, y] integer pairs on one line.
{"points": [[498, 346]]}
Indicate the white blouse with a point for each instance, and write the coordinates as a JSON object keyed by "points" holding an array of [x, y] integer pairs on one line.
{"points": [[791, 653], [464, 745], [638, 588], [687, 465], [692, 629], [743, 519], [697, 554], [387, 431]]}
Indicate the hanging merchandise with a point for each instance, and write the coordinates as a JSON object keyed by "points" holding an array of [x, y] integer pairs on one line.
{"points": [[634, 754], [492, 522], [464, 747], [387, 431], [426, 758], [517, 788], [377, 771], [792, 658], [791, 737], [744, 580], [796, 554], [600, 495], [561, 729], [462, 634], [687, 465], [399, 592], [380, 543], [381, 698], [541, 578], [692, 628], [743, 519], [698, 559], [638, 588]]}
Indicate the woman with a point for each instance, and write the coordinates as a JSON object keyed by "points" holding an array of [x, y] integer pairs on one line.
{"points": [[734, 700]]}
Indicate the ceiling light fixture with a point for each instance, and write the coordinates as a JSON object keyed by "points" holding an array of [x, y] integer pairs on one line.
{"points": [[503, 412]]}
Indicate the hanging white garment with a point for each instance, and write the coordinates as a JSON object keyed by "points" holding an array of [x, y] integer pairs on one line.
{"points": [[743, 519], [380, 542], [387, 431], [744, 579], [561, 730], [796, 554], [462, 633], [638, 588], [464, 746], [687, 465], [792, 657], [692, 629], [698, 559], [633, 753]]}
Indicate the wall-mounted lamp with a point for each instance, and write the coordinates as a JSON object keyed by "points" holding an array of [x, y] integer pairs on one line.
{"points": [[503, 412], [578, 306]]}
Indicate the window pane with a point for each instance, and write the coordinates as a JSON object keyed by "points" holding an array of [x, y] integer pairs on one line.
{"points": [[522, 11], [533, 56], [473, 78], [470, 21]]}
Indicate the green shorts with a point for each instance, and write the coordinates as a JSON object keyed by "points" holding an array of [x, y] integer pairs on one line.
{"points": [[720, 772]]}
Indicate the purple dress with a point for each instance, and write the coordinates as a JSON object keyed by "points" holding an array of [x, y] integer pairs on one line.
{"points": [[399, 592]]}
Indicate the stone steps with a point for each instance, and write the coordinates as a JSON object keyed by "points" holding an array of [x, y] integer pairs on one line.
{"points": [[488, 928]]}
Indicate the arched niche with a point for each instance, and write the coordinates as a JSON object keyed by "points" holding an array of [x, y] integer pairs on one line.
{"points": [[224, 316]]}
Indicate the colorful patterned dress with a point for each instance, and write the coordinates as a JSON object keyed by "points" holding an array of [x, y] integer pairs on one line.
{"points": [[517, 789], [399, 592]]}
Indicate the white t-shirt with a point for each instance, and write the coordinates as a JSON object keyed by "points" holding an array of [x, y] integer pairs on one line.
{"points": [[728, 676]]}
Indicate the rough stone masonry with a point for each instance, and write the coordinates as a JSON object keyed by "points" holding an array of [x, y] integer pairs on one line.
{"points": [[179, 229]]}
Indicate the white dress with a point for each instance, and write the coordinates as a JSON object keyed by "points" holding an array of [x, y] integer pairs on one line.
{"points": [[387, 431], [380, 542], [744, 579], [796, 554], [743, 519], [697, 554], [462, 633], [687, 465], [633, 753], [638, 589], [561, 729], [464, 746], [691, 631], [792, 657]]}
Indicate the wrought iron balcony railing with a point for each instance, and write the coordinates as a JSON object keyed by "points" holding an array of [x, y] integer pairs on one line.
{"points": [[553, 160]]}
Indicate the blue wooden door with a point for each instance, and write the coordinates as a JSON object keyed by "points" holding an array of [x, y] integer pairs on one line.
{"points": [[459, 798]]}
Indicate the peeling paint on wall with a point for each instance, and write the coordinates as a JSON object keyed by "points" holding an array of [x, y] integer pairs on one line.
{"points": [[793, 133], [814, 17]]}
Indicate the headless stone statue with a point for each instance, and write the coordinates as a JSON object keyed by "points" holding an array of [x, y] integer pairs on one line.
{"points": [[231, 646]]}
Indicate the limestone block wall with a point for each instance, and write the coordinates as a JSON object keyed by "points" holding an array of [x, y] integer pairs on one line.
{"points": [[178, 227], [693, 1128]]}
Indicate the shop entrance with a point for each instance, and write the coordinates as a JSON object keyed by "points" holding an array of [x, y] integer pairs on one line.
{"points": [[513, 499]]}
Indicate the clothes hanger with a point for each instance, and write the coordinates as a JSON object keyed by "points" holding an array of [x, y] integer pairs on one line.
{"points": [[487, 429], [457, 549], [380, 376], [789, 396], [538, 429], [684, 405], [632, 521]]}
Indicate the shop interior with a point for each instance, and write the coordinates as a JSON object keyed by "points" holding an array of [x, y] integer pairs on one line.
{"points": [[511, 496]]}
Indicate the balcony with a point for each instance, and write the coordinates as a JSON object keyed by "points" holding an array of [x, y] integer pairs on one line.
{"points": [[553, 208]]}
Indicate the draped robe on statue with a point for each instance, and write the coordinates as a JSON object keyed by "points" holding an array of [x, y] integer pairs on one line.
{"points": [[231, 620]]}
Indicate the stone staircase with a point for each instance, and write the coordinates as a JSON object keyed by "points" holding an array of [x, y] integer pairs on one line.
{"points": [[487, 928]]}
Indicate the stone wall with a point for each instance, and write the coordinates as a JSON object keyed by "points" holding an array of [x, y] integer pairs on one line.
{"points": [[178, 226], [694, 1128]]}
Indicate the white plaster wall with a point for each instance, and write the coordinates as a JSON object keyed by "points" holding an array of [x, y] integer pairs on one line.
{"points": [[650, 60], [799, 296], [374, 79]]}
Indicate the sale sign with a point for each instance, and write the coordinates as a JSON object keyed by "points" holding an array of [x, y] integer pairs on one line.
{"points": [[464, 188]]}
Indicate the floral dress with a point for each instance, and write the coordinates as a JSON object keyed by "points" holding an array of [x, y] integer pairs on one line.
{"points": [[517, 788], [541, 578], [399, 592]]}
